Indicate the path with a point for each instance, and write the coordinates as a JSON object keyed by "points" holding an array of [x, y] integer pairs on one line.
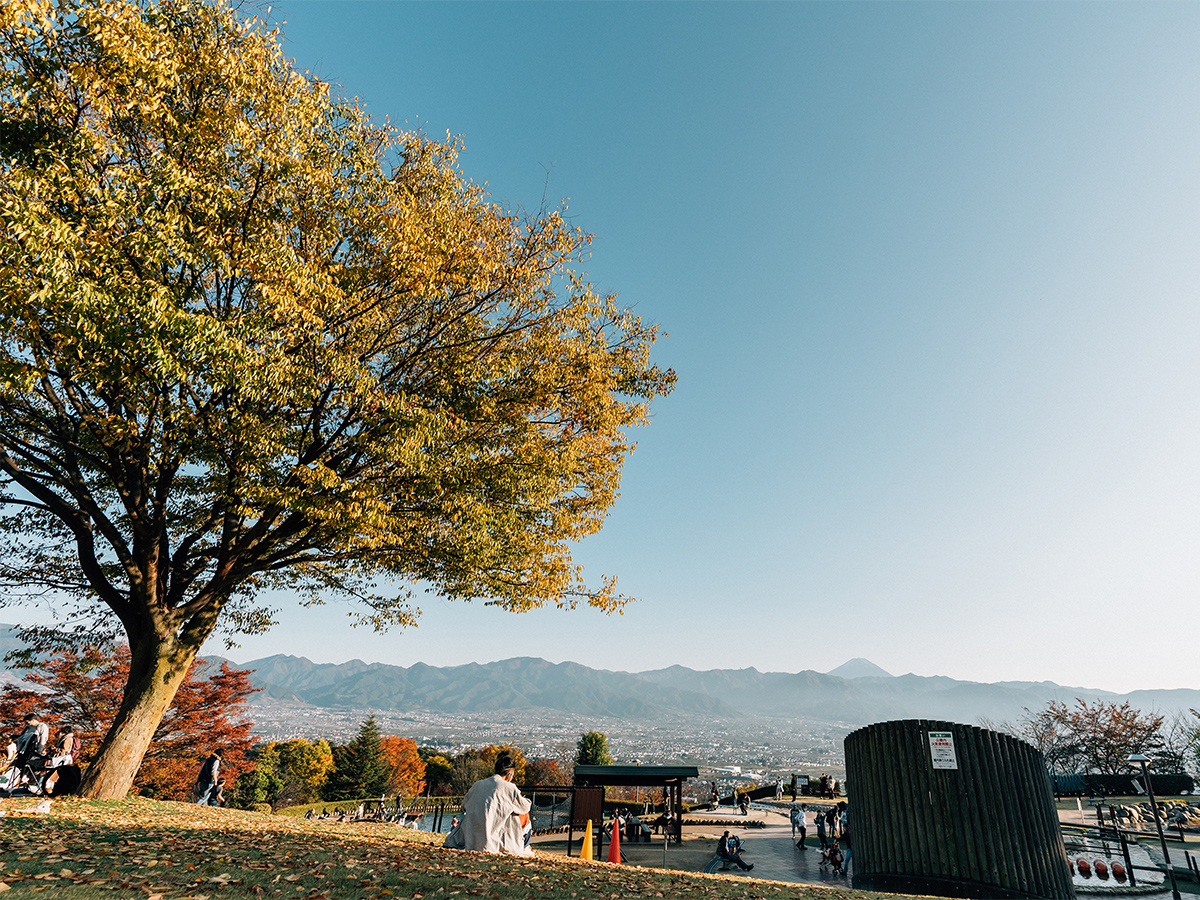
{"points": [[772, 851]]}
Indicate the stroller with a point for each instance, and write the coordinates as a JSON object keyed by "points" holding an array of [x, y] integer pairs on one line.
{"points": [[832, 856]]}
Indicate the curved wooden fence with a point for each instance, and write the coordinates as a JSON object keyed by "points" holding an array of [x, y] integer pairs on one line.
{"points": [[965, 812]]}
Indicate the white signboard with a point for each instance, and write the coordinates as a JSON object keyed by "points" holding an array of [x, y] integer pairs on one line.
{"points": [[941, 748]]}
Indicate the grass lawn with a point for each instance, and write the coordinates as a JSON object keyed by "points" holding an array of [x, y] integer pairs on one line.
{"points": [[148, 850]]}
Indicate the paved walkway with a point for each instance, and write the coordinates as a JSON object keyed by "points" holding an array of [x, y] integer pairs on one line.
{"points": [[774, 854]]}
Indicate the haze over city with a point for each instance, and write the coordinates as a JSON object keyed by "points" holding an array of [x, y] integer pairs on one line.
{"points": [[928, 275]]}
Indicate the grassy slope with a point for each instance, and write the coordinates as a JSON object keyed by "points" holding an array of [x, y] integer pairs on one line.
{"points": [[142, 849]]}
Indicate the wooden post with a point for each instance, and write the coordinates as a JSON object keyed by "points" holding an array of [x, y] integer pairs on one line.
{"points": [[679, 811]]}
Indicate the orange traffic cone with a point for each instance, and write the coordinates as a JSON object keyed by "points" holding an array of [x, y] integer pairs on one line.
{"points": [[585, 849], [614, 848]]}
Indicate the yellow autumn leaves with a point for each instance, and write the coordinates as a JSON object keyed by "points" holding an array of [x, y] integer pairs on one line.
{"points": [[261, 340]]}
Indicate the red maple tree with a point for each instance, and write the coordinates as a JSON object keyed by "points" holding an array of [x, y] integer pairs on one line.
{"points": [[406, 770], [544, 771], [83, 689]]}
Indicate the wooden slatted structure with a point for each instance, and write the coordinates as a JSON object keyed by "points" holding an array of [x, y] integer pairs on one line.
{"points": [[967, 815]]}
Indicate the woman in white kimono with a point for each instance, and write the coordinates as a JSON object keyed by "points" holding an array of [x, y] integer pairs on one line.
{"points": [[492, 812]]}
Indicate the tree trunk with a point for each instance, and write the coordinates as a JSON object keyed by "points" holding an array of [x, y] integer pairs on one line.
{"points": [[156, 669]]}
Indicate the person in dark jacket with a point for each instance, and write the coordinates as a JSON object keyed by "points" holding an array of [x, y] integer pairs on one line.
{"points": [[727, 851], [206, 781]]}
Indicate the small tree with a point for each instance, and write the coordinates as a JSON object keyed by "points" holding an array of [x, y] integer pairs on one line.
{"points": [[1177, 733], [472, 765], [592, 750], [1093, 738], [1192, 754], [284, 774], [260, 783], [545, 771], [439, 774], [358, 769], [1049, 731], [404, 767], [304, 767], [1181, 743]]}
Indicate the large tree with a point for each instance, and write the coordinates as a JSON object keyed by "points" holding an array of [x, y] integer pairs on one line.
{"points": [[439, 773], [545, 771], [251, 340]]}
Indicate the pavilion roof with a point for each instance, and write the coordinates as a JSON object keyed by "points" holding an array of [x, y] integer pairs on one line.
{"points": [[634, 776]]}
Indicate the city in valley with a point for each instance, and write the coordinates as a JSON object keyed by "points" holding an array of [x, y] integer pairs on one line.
{"points": [[729, 752]]}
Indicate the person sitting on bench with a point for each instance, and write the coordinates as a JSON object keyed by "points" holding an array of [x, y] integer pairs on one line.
{"points": [[729, 851]]}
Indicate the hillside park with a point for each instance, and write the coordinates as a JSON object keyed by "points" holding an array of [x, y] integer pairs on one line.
{"points": [[86, 850], [163, 850]]}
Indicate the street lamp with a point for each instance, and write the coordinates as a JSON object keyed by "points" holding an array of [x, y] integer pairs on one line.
{"points": [[1144, 761]]}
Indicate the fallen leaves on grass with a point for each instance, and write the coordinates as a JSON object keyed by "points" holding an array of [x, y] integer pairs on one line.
{"points": [[177, 851]]}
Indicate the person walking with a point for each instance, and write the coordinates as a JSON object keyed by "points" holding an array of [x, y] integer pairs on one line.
{"points": [[802, 825], [794, 816], [821, 830], [206, 781]]}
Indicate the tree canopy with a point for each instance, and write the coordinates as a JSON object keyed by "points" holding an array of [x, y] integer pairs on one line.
{"points": [[480, 762], [250, 339], [404, 766], [1097, 737], [360, 768], [592, 750]]}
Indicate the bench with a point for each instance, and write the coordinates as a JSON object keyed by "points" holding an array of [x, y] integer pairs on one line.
{"points": [[718, 864], [636, 830]]}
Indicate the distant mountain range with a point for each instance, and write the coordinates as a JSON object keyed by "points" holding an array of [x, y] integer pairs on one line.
{"points": [[534, 684], [855, 693]]}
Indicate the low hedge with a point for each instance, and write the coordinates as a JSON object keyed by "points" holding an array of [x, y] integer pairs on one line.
{"points": [[337, 806]]}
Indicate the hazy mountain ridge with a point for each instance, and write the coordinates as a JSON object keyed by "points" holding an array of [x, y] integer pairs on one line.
{"points": [[527, 683], [533, 684], [512, 684]]}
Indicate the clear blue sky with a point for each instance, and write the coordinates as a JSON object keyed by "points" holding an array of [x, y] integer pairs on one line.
{"points": [[929, 274]]}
